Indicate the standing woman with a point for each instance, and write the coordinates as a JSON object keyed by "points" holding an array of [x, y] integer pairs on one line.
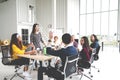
{"points": [[36, 38], [17, 48]]}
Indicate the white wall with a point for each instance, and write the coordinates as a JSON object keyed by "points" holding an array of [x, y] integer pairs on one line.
{"points": [[57, 12], [8, 22], [23, 17], [44, 10], [61, 15], [118, 27], [52, 12], [22, 10]]}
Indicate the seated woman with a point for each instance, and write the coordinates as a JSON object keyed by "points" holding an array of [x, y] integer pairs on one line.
{"points": [[94, 41], [16, 48], [84, 53]]}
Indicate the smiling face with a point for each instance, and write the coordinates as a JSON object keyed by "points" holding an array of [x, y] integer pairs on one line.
{"points": [[92, 38], [19, 38], [82, 41]]}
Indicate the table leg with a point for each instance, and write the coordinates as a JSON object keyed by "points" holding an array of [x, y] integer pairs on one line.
{"points": [[32, 66], [102, 45], [40, 63], [49, 61], [119, 47]]}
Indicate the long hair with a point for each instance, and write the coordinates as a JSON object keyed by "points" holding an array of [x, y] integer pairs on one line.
{"points": [[86, 42], [33, 29], [96, 39], [86, 47], [14, 41]]}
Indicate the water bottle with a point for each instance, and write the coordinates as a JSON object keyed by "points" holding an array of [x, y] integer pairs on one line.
{"points": [[44, 50]]}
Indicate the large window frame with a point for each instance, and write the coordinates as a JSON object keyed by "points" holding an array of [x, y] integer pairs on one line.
{"points": [[103, 20]]}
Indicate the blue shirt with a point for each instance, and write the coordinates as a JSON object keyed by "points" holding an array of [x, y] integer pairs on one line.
{"points": [[63, 53], [95, 45]]}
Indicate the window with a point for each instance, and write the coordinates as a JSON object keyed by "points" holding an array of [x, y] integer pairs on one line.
{"points": [[113, 23], [83, 24], [83, 6], [89, 6], [89, 24], [104, 23], [25, 36], [105, 5], [98, 17], [97, 4], [96, 24]]}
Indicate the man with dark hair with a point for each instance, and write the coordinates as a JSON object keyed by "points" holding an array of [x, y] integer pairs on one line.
{"points": [[62, 53]]}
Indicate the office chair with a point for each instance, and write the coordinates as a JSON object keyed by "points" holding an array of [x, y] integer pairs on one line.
{"points": [[94, 57], [80, 70], [88, 64], [70, 66], [7, 60]]}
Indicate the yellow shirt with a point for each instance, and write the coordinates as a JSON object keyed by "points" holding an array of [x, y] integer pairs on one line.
{"points": [[17, 51]]}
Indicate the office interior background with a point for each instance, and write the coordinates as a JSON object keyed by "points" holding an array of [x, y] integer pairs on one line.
{"points": [[77, 17]]}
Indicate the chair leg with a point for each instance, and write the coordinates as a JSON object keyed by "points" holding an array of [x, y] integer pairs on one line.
{"points": [[12, 76], [85, 76], [20, 76], [16, 74], [94, 68], [17, 68], [81, 76]]}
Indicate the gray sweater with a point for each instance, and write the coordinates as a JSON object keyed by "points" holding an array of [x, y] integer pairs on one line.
{"points": [[36, 39]]}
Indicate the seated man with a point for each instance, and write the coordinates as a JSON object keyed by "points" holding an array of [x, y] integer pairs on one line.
{"points": [[62, 53]]}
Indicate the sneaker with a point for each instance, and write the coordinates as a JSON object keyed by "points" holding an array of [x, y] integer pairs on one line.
{"points": [[26, 74], [27, 78]]}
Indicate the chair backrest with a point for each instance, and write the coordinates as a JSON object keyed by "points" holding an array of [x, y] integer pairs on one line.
{"points": [[97, 50], [70, 65], [94, 55], [6, 57]]}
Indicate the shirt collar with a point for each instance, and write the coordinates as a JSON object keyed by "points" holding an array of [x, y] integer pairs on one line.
{"points": [[71, 44]]}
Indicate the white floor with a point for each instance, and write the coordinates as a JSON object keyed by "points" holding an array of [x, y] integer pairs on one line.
{"points": [[108, 63]]}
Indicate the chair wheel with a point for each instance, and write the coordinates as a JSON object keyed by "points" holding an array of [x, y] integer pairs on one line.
{"points": [[5, 78], [89, 72], [98, 70], [70, 77], [91, 76]]}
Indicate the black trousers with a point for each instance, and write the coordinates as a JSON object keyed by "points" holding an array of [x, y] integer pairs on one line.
{"points": [[21, 61], [51, 72]]}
